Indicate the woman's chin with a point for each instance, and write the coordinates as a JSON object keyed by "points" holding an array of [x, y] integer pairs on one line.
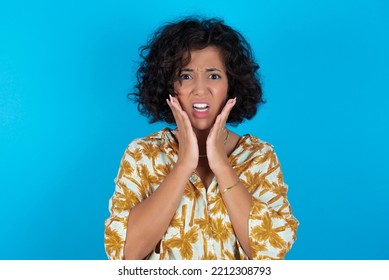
{"points": [[202, 125]]}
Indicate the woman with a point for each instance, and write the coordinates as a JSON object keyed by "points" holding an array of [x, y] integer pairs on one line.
{"points": [[199, 191]]}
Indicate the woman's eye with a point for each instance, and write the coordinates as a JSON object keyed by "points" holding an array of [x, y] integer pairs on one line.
{"points": [[185, 77], [214, 76]]}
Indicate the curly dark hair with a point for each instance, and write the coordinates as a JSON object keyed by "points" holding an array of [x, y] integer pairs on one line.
{"points": [[163, 58]]}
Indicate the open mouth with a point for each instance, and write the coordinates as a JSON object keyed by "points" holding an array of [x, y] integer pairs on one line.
{"points": [[200, 107]]}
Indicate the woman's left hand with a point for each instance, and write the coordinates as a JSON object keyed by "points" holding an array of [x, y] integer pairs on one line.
{"points": [[216, 151]]}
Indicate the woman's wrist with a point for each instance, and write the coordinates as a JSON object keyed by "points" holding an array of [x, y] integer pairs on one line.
{"points": [[221, 168], [230, 187], [184, 169]]}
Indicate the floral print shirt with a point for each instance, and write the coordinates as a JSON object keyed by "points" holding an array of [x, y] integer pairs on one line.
{"points": [[201, 227]]}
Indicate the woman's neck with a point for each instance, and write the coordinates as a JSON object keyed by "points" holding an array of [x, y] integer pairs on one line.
{"points": [[202, 136]]}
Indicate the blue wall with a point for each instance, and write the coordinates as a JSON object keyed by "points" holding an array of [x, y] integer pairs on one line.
{"points": [[65, 70]]}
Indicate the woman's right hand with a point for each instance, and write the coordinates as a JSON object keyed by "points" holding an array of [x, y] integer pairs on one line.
{"points": [[188, 152], [143, 230]]}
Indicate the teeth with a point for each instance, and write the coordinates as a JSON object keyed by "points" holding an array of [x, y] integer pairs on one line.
{"points": [[200, 106]]}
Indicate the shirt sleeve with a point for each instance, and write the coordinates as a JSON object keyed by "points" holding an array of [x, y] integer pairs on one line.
{"points": [[128, 192], [272, 227]]}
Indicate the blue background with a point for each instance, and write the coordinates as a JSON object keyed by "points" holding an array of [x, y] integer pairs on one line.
{"points": [[66, 68]]}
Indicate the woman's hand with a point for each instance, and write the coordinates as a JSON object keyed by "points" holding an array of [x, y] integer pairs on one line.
{"points": [[188, 152], [216, 151]]}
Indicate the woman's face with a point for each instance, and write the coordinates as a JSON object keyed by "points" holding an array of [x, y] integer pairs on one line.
{"points": [[202, 87]]}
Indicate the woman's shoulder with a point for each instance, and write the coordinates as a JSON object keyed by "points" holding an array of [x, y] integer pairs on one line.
{"points": [[253, 150], [255, 144], [155, 139]]}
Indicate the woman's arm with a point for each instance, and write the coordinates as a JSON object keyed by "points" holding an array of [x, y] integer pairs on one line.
{"points": [[149, 219], [238, 203], [258, 207]]}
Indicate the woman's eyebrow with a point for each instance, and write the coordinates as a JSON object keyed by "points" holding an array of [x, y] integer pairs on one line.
{"points": [[206, 69], [212, 69]]}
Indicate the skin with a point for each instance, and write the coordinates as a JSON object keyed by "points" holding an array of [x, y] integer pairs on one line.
{"points": [[203, 80]]}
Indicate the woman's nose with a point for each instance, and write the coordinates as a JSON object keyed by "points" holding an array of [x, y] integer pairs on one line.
{"points": [[200, 86]]}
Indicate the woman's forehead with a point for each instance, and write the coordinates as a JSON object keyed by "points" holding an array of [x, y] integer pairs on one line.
{"points": [[203, 60]]}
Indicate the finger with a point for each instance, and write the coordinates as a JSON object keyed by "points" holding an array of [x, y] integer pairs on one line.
{"points": [[176, 113], [215, 138], [184, 121], [176, 102], [216, 129], [226, 111], [174, 110]]}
